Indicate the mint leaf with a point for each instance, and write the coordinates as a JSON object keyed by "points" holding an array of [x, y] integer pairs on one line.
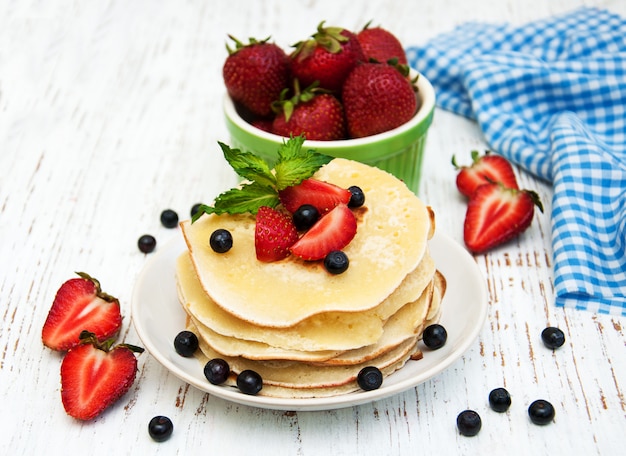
{"points": [[296, 164], [239, 200], [262, 184], [248, 165]]}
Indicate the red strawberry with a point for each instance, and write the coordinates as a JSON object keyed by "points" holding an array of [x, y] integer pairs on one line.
{"points": [[80, 305], [323, 195], [381, 45], [93, 376], [274, 234], [328, 57], [314, 115], [255, 74], [377, 97], [496, 214], [333, 231], [484, 168]]}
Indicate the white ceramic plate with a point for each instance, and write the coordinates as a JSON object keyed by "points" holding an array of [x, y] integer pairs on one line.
{"points": [[158, 317]]}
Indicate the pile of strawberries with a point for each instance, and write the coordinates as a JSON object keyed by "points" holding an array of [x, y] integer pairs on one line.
{"points": [[84, 322], [497, 209], [276, 234], [335, 85]]}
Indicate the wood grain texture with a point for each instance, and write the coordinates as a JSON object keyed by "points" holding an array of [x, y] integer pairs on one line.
{"points": [[110, 112]]}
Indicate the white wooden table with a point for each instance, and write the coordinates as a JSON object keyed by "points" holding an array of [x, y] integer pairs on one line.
{"points": [[110, 112]]}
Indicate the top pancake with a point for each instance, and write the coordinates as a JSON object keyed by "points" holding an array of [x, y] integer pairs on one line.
{"points": [[393, 227]]}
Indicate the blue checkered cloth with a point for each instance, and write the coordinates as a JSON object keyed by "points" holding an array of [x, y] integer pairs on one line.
{"points": [[551, 97]]}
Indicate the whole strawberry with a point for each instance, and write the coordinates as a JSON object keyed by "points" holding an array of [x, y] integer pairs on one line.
{"points": [[94, 376], [496, 214], [381, 45], [255, 74], [328, 57], [79, 305], [377, 97], [314, 115]]}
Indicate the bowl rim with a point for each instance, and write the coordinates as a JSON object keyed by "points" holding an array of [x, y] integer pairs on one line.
{"points": [[427, 97]]}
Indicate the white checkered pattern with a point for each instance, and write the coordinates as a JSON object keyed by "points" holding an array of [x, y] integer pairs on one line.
{"points": [[551, 97]]}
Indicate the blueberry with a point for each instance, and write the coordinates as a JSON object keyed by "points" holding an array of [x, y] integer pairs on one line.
{"points": [[216, 371], [186, 343], [305, 217], [358, 197], [435, 336], [541, 412], [370, 378], [336, 262], [499, 400], [160, 428], [221, 240], [169, 218], [553, 337], [146, 243], [249, 382], [469, 423], [195, 208]]}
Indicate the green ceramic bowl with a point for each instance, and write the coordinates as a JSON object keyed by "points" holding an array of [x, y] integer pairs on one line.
{"points": [[399, 151]]}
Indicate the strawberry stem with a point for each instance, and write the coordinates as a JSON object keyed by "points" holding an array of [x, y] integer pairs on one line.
{"points": [[87, 337]]}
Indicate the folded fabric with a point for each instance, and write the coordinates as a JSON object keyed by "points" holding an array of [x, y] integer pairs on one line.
{"points": [[551, 97]]}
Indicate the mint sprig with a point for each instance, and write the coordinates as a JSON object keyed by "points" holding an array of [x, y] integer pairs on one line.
{"points": [[262, 183]]}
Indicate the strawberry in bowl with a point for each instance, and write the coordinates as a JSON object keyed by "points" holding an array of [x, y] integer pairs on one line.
{"points": [[359, 107]]}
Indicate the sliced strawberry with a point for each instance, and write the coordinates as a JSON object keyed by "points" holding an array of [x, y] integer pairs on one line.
{"points": [[93, 376], [484, 168], [333, 231], [323, 195], [496, 214], [80, 305], [274, 234]]}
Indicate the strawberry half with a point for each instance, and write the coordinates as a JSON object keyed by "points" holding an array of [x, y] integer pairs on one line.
{"points": [[273, 235], [94, 376], [484, 168], [80, 305], [495, 214], [333, 231], [323, 195]]}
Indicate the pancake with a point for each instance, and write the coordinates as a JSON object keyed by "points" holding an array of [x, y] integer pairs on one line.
{"points": [[405, 324], [336, 331], [292, 374], [393, 229], [207, 353]]}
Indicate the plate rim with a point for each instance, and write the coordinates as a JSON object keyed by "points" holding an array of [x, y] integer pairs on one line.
{"points": [[440, 241]]}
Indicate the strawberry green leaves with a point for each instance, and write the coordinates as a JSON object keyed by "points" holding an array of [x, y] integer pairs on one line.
{"points": [[262, 183]]}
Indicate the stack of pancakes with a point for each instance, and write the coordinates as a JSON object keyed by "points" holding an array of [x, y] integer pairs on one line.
{"points": [[307, 332]]}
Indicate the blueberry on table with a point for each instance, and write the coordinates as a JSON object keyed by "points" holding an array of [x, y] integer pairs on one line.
{"points": [[435, 336], [160, 428], [552, 337], [221, 240], [169, 218], [370, 378], [249, 382], [469, 423], [194, 209], [541, 412], [186, 343], [499, 400], [216, 371], [146, 243]]}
